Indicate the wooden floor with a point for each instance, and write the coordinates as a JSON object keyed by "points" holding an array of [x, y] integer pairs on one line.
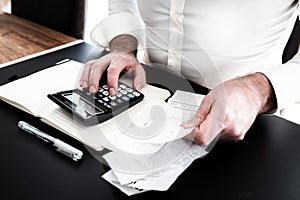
{"points": [[19, 38]]}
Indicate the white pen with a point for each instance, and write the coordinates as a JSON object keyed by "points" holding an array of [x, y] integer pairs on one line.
{"points": [[59, 145]]}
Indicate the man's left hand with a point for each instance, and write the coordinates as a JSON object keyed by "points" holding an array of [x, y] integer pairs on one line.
{"points": [[231, 108]]}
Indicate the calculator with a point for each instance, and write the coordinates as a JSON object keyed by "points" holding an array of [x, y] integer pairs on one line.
{"points": [[95, 108]]}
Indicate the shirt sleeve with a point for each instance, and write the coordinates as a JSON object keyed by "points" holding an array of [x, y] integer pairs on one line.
{"points": [[285, 79], [123, 19]]}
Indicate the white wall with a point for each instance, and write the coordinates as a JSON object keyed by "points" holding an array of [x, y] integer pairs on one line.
{"points": [[96, 11], [7, 6]]}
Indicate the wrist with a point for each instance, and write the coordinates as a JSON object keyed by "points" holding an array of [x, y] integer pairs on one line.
{"points": [[124, 44], [265, 92]]}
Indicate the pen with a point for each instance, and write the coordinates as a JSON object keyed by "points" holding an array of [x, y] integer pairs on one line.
{"points": [[59, 145]]}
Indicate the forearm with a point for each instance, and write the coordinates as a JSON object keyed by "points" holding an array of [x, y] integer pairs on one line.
{"points": [[260, 91]]}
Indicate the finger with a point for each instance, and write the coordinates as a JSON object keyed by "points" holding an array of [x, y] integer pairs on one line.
{"points": [[113, 73], [208, 130], [84, 79], [139, 77], [201, 114], [96, 72]]}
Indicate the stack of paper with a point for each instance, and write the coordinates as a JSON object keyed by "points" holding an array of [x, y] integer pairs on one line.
{"points": [[157, 125]]}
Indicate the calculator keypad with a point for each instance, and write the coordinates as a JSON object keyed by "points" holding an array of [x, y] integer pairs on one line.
{"points": [[97, 108], [125, 95]]}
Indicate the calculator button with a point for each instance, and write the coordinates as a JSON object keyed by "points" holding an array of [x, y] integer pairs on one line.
{"points": [[124, 92], [123, 86], [100, 101], [106, 99], [113, 97], [119, 94], [137, 94], [105, 104], [120, 101], [99, 95], [113, 103], [105, 93], [125, 98], [129, 89], [105, 87], [119, 89], [101, 89], [131, 96]]}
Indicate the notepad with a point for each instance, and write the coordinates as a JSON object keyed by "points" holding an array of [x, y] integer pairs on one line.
{"points": [[30, 95]]}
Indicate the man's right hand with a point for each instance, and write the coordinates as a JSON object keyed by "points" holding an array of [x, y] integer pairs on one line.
{"points": [[120, 58]]}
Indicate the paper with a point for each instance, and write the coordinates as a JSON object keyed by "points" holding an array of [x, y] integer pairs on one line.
{"points": [[160, 180], [169, 153], [131, 172], [111, 178]]}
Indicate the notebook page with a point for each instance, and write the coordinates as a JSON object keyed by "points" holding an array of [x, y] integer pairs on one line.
{"points": [[31, 91]]}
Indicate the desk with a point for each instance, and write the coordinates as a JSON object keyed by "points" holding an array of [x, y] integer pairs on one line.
{"points": [[265, 165], [19, 38]]}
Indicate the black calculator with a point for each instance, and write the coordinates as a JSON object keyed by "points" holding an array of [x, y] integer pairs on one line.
{"points": [[96, 108]]}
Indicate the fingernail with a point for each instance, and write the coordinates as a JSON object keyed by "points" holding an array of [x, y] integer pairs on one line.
{"points": [[183, 124], [186, 124], [84, 84], [92, 89], [112, 91]]}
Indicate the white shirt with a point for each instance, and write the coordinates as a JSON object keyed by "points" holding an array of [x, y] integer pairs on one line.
{"points": [[212, 41]]}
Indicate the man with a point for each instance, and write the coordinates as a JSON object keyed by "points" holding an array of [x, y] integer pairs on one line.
{"points": [[233, 47]]}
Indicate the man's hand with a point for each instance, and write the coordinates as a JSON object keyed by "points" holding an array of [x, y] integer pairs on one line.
{"points": [[231, 108], [121, 57]]}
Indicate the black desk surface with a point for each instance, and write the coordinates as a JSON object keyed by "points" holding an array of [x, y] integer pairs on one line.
{"points": [[265, 165]]}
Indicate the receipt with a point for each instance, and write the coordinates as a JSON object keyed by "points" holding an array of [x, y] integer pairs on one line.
{"points": [[142, 165], [160, 180], [128, 190], [170, 129], [186, 100]]}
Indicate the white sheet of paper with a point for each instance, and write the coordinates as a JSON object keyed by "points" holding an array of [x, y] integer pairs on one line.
{"points": [[128, 190], [145, 165], [186, 100], [162, 180], [169, 129], [126, 178]]}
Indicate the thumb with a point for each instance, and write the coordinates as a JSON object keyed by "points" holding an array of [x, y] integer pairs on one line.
{"points": [[201, 114]]}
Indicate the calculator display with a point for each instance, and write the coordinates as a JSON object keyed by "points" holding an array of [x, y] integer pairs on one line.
{"points": [[81, 106]]}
